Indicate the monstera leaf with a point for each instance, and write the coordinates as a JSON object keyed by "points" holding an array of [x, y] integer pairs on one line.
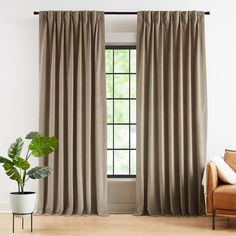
{"points": [[31, 135], [21, 163], [42, 146], [13, 173], [5, 160], [15, 148], [39, 172]]}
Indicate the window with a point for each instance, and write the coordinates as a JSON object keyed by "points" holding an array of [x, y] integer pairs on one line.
{"points": [[121, 111]]}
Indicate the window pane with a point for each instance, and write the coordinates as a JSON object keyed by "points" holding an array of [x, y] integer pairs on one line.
{"points": [[133, 111], [133, 86], [109, 86], [133, 162], [109, 136], [121, 159], [133, 61], [109, 61], [109, 111], [133, 136], [121, 60], [121, 86], [121, 111], [121, 136], [109, 162]]}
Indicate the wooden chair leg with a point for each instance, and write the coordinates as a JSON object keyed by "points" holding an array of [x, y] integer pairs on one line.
{"points": [[213, 219], [31, 222], [13, 223]]}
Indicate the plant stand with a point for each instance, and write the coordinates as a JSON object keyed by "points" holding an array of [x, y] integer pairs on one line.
{"points": [[22, 223]]}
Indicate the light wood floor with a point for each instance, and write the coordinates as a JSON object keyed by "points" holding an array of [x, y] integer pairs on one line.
{"points": [[115, 225]]}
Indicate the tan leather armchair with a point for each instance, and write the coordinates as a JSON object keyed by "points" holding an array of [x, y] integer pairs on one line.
{"points": [[220, 197]]}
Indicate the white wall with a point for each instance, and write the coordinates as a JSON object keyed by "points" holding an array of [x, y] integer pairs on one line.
{"points": [[19, 65]]}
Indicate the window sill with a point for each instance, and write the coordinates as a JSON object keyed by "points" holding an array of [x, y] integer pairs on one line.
{"points": [[121, 179]]}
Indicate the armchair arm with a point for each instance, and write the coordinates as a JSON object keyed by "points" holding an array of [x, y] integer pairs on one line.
{"points": [[211, 184]]}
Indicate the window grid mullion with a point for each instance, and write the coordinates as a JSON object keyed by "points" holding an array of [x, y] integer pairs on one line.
{"points": [[121, 123], [116, 73], [129, 113], [120, 149], [113, 94], [113, 98]]}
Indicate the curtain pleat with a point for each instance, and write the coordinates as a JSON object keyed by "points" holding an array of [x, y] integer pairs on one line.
{"points": [[171, 112], [73, 108]]}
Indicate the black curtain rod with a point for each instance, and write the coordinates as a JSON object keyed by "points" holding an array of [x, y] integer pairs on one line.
{"points": [[121, 13]]}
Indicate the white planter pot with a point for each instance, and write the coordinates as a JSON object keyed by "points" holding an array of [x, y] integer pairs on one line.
{"points": [[22, 203]]}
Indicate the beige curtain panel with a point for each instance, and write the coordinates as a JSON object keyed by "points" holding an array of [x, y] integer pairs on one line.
{"points": [[73, 108], [171, 112]]}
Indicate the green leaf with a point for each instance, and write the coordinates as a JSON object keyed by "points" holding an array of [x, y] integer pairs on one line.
{"points": [[13, 173], [21, 163], [31, 135], [15, 148], [5, 160], [39, 172], [42, 146]]}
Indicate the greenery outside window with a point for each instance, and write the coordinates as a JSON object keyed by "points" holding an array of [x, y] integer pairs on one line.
{"points": [[121, 111]]}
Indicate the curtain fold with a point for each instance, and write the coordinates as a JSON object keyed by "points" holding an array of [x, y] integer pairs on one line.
{"points": [[73, 108], [171, 112]]}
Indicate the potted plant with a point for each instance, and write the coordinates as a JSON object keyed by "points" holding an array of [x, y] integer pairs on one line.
{"points": [[18, 169]]}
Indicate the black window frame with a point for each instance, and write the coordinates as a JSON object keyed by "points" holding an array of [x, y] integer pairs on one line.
{"points": [[121, 47]]}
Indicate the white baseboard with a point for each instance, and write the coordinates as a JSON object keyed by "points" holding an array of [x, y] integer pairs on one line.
{"points": [[126, 208], [5, 207]]}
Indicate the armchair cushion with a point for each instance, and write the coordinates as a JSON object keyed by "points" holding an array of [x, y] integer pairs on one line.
{"points": [[224, 197]]}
